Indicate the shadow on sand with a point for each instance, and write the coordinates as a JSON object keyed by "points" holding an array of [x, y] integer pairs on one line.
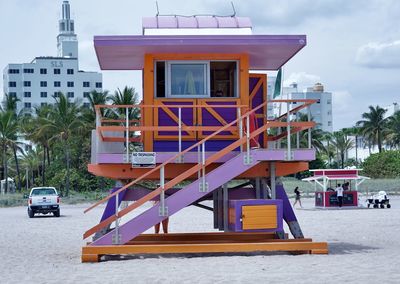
{"points": [[348, 248]]}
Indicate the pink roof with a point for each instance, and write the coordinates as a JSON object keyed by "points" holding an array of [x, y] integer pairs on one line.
{"points": [[266, 52]]}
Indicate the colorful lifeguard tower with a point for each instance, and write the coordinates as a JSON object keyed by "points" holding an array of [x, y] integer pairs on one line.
{"points": [[203, 123]]}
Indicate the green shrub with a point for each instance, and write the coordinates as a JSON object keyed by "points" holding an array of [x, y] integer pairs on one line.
{"points": [[382, 165]]}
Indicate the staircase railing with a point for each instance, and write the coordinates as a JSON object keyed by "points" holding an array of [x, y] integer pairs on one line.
{"points": [[197, 168]]}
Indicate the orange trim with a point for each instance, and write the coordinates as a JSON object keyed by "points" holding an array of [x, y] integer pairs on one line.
{"points": [[148, 99]]}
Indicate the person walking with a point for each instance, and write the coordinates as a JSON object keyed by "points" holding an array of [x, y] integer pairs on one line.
{"points": [[339, 195], [297, 197]]}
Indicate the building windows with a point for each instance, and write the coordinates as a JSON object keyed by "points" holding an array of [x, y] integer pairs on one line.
{"points": [[13, 71], [28, 70], [43, 84], [86, 105], [12, 84], [70, 71], [43, 71], [70, 84], [329, 123], [318, 101], [99, 85], [43, 104], [57, 84], [329, 112], [86, 94], [57, 71], [56, 94], [27, 105], [12, 94], [43, 94], [329, 102], [86, 84], [27, 83], [70, 94], [27, 94]]}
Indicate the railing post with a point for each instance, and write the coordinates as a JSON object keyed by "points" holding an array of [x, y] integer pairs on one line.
{"points": [[289, 142], [116, 238], [239, 114], [180, 133], [309, 129], [198, 161], [203, 184], [298, 132], [163, 211], [247, 160], [127, 134]]}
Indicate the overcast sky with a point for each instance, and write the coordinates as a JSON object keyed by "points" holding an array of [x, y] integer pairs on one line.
{"points": [[353, 46]]}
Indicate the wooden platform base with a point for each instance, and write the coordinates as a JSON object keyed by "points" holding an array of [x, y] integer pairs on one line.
{"points": [[205, 243]]}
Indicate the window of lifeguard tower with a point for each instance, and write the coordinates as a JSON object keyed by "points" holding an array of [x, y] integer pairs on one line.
{"points": [[196, 79]]}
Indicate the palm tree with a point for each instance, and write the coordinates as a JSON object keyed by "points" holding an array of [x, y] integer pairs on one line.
{"points": [[63, 121], [394, 130], [8, 137], [128, 96], [31, 162], [373, 125], [95, 98], [342, 144], [42, 138]]}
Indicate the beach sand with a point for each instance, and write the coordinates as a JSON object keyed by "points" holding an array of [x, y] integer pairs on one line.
{"points": [[364, 247]]}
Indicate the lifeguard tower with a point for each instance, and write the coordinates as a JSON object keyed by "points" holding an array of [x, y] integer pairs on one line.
{"points": [[203, 123]]}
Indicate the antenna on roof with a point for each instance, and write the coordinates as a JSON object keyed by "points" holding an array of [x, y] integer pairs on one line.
{"points": [[158, 12], [233, 8]]}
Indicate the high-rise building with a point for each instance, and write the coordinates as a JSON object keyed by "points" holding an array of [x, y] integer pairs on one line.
{"points": [[321, 111], [35, 83]]}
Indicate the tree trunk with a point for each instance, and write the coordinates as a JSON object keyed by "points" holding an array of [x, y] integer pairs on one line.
{"points": [[5, 168], [44, 166], [17, 168], [48, 154], [67, 160], [379, 141]]}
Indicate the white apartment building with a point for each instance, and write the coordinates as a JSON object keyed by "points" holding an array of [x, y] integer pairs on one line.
{"points": [[35, 83], [321, 111]]}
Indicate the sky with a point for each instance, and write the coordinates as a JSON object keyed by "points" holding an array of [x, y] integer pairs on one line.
{"points": [[353, 47]]}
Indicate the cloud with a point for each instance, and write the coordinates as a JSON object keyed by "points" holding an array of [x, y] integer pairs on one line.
{"points": [[288, 12], [302, 79], [379, 55]]}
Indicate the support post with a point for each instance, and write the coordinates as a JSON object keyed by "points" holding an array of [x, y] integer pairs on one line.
{"points": [[297, 133], [289, 142], [116, 238], [163, 211], [258, 189], [272, 168], [226, 205], [309, 129], [203, 184], [127, 134], [247, 158], [239, 114], [180, 133]]}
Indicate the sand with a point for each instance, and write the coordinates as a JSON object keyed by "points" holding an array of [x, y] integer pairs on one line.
{"points": [[364, 248]]}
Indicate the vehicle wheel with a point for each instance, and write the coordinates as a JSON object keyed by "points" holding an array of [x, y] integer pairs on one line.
{"points": [[388, 206], [31, 214], [382, 206], [57, 213], [376, 206]]}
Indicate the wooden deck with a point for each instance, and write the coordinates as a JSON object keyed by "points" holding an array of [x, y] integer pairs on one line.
{"points": [[187, 243]]}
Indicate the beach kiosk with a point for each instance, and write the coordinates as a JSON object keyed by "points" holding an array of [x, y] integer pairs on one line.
{"points": [[202, 123], [326, 180]]}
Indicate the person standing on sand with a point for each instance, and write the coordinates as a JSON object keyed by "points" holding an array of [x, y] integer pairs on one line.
{"points": [[339, 195], [297, 198]]}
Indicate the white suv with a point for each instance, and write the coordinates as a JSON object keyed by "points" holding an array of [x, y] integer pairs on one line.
{"points": [[43, 200]]}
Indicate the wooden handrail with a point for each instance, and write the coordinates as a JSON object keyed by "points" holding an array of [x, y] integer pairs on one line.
{"points": [[182, 176], [224, 128]]}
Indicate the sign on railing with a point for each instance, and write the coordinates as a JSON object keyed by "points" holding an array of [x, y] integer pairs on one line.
{"points": [[143, 159]]}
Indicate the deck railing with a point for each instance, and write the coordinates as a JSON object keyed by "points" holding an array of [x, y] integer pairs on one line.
{"points": [[200, 167]]}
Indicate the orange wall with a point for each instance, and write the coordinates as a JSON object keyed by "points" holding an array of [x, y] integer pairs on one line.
{"points": [[148, 82]]}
